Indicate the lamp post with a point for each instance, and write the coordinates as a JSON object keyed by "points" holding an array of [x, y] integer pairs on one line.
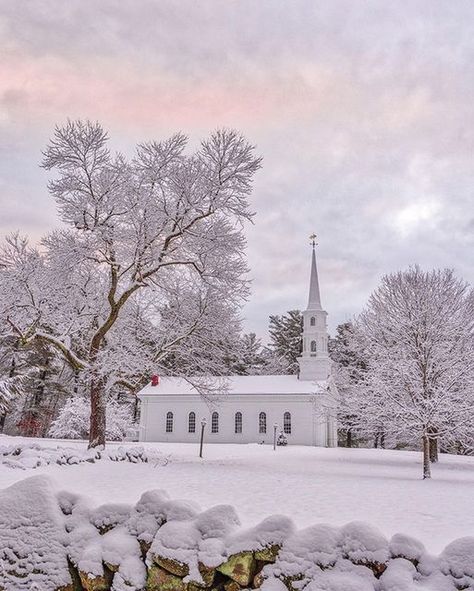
{"points": [[275, 427], [203, 424]]}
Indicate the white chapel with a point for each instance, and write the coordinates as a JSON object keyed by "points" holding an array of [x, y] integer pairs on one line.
{"points": [[302, 406]]}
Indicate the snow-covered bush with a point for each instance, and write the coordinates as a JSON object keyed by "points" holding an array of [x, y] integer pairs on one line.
{"points": [[73, 420]]}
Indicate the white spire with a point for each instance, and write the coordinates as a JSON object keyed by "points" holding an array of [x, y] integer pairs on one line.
{"points": [[314, 299], [314, 361]]}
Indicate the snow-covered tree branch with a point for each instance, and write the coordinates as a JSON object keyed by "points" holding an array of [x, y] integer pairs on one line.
{"points": [[417, 338], [132, 226]]}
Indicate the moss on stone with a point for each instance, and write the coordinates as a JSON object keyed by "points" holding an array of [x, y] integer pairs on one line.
{"points": [[175, 567], [240, 568], [91, 583], [232, 586], [159, 579], [268, 554], [207, 573]]}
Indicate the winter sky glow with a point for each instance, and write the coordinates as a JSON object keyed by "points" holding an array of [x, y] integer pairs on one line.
{"points": [[363, 111]]}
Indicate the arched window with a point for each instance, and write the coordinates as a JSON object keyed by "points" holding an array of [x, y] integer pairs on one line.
{"points": [[312, 321], [313, 346], [215, 422], [238, 422], [192, 422], [262, 422], [169, 422], [287, 423]]}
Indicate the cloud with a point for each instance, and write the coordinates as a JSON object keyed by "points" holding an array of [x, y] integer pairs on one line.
{"points": [[409, 218], [362, 110]]}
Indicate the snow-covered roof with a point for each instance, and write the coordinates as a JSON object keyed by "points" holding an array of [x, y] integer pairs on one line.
{"points": [[279, 384]]}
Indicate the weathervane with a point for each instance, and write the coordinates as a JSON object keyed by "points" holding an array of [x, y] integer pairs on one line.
{"points": [[313, 239]]}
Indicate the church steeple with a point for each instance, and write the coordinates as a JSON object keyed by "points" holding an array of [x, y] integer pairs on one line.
{"points": [[314, 362], [314, 299]]}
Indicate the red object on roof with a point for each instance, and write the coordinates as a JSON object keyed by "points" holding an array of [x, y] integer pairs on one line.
{"points": [[155, 380]]}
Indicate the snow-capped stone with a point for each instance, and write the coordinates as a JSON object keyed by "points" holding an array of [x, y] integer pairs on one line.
{"points": [[402, 546], [271, 532], [307, 550], [110, 515], [364, 544], [240, 567], [457, 559], [398, 576], [32, 538]]}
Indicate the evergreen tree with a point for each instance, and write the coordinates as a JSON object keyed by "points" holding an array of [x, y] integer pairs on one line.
{"points": [[349, 365], [33, 384], [250, 357], [286, 340]]}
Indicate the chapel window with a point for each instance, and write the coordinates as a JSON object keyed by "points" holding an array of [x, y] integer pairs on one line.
{"points": [[215, 422], [262, 422], [169, 422], [238, 422], [287, 423], [192, 422], [313, 346], [312, 321]]}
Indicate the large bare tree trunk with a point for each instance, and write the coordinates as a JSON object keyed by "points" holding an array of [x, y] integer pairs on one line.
{"points": [[98, 405], [426, 457], [97, 387]]}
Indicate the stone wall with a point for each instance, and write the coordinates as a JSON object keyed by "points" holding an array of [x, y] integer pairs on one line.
{"points": [[58, 542]]}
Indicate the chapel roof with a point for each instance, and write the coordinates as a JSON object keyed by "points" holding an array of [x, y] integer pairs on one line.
{"points": [[236, 385]]}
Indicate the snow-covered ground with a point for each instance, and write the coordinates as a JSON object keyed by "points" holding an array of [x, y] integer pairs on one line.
{"points": [[310, 485]]}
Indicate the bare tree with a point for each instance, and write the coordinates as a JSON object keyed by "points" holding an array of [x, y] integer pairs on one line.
{"points": [[417, 338], [134, 225]]}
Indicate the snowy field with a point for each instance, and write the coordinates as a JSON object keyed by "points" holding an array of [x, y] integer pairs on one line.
{"points": [[310, 485]]}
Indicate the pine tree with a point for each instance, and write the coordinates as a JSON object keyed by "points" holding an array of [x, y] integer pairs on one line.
{"points": [[349, 365], [286, 340], [35, 382], [250, 359]]}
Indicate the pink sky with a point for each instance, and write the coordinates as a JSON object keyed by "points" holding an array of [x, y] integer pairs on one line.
{"points": [[362, 110]]}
